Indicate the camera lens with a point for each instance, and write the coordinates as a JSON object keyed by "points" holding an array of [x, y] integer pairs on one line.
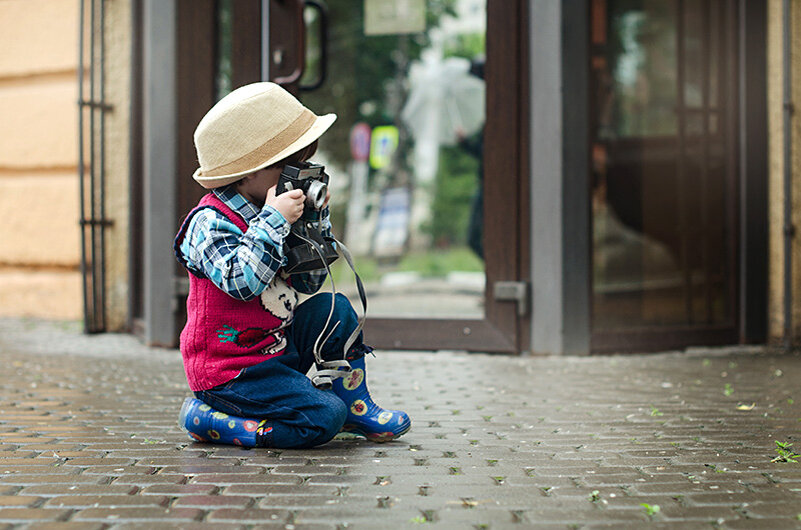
{"points": [[315, 195]]}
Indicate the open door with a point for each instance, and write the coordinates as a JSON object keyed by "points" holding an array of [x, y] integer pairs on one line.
{"points": [[429, 190], [666, 168]]}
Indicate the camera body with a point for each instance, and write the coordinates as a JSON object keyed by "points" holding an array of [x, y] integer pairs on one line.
{"points": [[311, 179], [305, 247]]}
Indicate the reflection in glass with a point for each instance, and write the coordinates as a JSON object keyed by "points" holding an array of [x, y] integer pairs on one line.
{"points": [[224, 67], [661, 200], [642, 70], [405, 157]]}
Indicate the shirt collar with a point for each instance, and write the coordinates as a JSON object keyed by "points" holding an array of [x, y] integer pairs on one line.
{"points": [[238, 203]]}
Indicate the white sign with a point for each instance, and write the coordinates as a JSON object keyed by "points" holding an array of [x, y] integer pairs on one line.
{"points": [[393, 17]]}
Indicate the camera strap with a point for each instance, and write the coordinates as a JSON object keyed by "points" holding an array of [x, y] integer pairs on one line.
{"points": [[324, 372], [345, 253]]}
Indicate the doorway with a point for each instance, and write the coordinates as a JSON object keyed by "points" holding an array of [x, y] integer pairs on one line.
{"points": [[664, 147], [428, 190]]}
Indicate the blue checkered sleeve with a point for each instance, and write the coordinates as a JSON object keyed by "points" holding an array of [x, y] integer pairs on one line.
{"points": [[241, 264]]}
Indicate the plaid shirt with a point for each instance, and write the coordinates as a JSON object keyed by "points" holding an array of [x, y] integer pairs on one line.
{"points": [[243, 265]]}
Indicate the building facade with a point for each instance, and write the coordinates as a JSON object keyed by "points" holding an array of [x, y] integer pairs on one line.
{"points": [[40, 262], [636, 173]]}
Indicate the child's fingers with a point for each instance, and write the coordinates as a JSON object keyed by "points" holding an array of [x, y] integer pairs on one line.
{"points": [[294, 194]]}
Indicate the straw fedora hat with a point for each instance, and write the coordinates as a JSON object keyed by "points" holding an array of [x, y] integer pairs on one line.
{"points": [[251, 128]]}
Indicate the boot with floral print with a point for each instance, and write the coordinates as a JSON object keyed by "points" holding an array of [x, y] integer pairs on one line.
{"points": [[205, 424], [364, 416]]}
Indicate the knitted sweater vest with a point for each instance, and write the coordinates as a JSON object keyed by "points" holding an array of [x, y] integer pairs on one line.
{"points": [[224, 335]]}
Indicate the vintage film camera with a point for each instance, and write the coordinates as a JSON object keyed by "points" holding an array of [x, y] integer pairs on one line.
{"points": [[305, 247]]}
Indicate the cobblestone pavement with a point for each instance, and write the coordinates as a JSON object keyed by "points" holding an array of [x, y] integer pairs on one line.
{"points": [[88, 439]]}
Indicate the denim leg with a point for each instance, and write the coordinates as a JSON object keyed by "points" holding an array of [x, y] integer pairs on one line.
{"points": [[311, 316], [300, 414]]}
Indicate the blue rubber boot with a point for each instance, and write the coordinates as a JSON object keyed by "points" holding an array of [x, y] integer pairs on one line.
{"points": [[205, 424], [364, 416]]}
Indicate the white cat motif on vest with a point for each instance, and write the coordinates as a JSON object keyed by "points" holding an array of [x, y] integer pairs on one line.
{"points": [[279, 299]]}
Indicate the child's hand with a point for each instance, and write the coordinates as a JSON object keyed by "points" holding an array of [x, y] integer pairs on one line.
{"points": [[289, 203]]}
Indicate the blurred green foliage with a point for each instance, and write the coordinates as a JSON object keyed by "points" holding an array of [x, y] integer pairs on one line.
{"points": [[430, 264], [456, 186], [366, 74]]}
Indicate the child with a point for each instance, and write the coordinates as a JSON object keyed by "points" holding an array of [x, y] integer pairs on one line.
{"points": [[247, 344]]}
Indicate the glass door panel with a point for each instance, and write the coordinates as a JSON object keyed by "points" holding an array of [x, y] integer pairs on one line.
{"points": [[405, 154], [663, 190]]}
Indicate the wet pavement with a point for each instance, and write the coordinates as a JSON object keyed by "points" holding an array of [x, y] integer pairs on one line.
{"points": [[89, 439]]}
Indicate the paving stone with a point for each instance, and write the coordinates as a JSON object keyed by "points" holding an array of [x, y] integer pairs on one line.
{"points": [[773, 523], [178, 490], [29, 480], [214, 468], [65, 526], [250, 514], [50, 490], [227, 479], [12, 465], [23, 515], [155, 525], [83, 501], [302, 526], [261, 490], [303, 501], [115, 471], [773, 509], [149, 460], [27, 501], [215, 501], [146, 480], [139, 513], [523, 449]]}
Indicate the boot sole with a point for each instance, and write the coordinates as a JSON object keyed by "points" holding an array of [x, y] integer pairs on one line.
{"points": [[377, 437]]}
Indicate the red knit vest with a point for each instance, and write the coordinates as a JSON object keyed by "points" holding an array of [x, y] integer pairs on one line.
{"points": [[223, 335]]}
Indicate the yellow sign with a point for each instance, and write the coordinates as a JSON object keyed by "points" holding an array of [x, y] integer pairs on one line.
{"points": [[383, 146]]}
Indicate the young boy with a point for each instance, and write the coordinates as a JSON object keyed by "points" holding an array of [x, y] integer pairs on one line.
{"points": [[247, 344]]}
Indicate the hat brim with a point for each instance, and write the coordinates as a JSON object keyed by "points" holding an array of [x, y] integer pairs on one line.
{"points": [[320, 125]]}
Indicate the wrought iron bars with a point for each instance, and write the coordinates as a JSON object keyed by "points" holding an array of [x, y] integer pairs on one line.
{"points": [[92, 109]]}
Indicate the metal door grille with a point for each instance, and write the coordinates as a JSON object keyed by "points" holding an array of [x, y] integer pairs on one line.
{"points": [[92, 109]]}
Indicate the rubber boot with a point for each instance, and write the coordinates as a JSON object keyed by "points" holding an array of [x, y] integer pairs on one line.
{"points": [[205, 424], [364, 416]]}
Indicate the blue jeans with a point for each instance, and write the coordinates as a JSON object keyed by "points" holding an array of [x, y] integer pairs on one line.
{"points": [[279, 391]]}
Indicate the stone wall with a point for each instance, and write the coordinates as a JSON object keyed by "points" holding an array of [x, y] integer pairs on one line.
{"points": [[40, 255], [117, 174], [776, 158], [39, 188]]}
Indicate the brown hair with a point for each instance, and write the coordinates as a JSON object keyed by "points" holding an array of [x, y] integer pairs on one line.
{"points": [[298, 156]]}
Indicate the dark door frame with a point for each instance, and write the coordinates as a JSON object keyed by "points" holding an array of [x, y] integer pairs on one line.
{"points": [[696, 333], [167, 192], [559, 160], [560, 185], [753, 166], [547, 39], [748, 210], [505, 148], [504, 328], [506, 215]]}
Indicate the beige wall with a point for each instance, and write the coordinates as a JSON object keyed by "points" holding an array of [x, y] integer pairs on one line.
{"points": [[38, 159], [40, 257], [118, 85], [776, 157]]}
